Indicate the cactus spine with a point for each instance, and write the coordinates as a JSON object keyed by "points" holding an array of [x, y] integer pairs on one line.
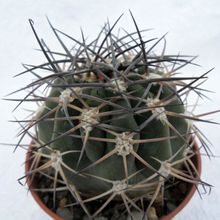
{"points": [[113, 122]]}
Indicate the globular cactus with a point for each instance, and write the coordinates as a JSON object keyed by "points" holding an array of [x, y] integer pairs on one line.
{"points": [[113, 123]]}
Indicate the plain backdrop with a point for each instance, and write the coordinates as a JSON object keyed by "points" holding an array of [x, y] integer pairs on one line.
{"points": [[193, 28]]}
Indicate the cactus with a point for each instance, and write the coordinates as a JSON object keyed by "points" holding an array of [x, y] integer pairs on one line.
{"points": [[112, 123]]}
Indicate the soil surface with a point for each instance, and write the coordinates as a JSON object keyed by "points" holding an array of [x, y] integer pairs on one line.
{"points": [[174, 195]]}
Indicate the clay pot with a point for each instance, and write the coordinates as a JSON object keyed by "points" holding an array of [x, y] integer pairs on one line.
{"points": [[52, 214], [196, 161], [198, 164]]}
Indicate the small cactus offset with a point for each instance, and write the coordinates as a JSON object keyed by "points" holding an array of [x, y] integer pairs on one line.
{"points": [[113, 123]]}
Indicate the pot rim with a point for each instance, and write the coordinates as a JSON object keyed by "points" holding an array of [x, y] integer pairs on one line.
{"points": [[198, 164]]}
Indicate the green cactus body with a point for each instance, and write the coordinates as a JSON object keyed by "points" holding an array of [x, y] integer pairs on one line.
{"points": [[122, 163]]}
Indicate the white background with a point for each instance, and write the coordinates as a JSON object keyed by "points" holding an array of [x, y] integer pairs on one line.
{"points": [[193, 27]]}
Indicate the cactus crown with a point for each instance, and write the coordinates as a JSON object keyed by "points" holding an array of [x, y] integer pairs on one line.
{"points": [[113, 123]]}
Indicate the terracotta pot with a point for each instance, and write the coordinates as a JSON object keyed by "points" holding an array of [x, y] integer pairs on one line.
{"points": [[197, 163]]}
